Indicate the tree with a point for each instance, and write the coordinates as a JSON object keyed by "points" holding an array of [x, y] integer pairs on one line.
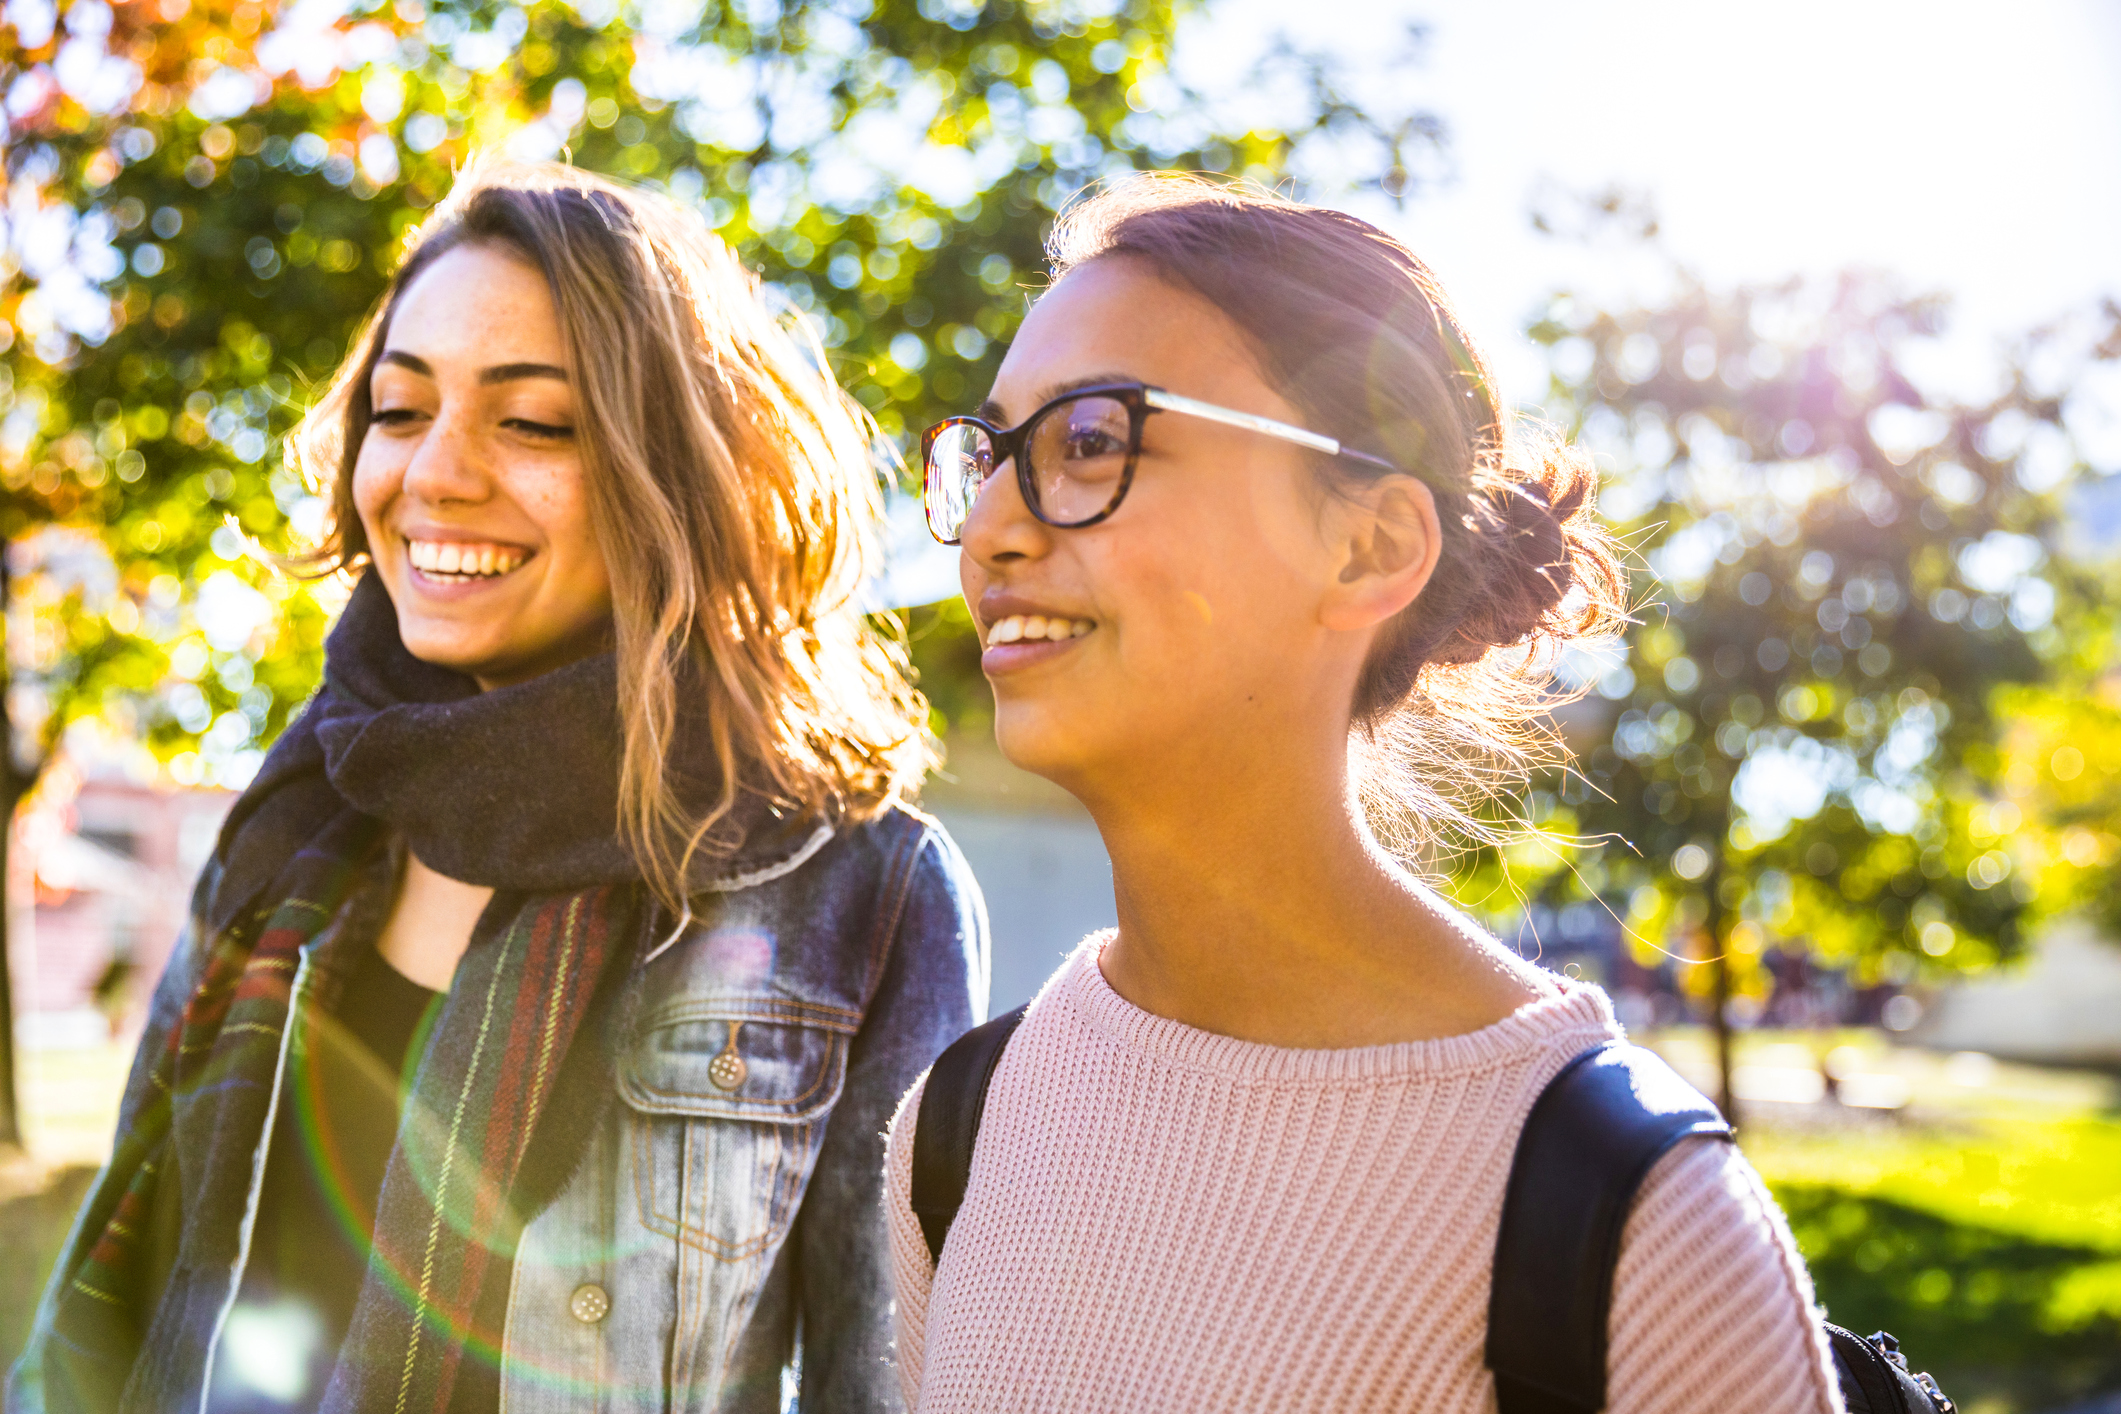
{"points": [[206, 197], [1847, 579]]}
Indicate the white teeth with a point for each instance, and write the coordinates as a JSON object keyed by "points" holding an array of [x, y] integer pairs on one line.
{"points": [[458, 561], [1018, 627]]}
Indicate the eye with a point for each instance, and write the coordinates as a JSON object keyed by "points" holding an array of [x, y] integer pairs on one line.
{"points": [[1086, 441], [545, 431], [393, 417]]}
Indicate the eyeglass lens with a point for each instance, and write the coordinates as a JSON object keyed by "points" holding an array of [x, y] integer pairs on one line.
{"points": [[1077, 454], [960, 460]]}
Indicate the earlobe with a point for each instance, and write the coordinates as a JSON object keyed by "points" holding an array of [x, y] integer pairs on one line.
{"points": [[1390, 542]]}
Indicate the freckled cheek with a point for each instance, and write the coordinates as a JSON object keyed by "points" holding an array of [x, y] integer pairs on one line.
{"points": [[377, 480], [556, 499]]}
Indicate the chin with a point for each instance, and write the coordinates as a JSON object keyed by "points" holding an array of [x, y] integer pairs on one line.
{"points": [[442, 653], [447, 645], [1033, 741]]}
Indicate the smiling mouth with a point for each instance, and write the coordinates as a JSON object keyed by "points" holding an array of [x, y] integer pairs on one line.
{"points": [[460, 562], [1036, 628]]}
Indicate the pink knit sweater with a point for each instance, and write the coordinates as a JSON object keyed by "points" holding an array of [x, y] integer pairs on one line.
{"points": [[1160, 1218]]}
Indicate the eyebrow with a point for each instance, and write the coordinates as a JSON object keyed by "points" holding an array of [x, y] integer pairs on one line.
{"points": [[991, 411], [499, 373]]}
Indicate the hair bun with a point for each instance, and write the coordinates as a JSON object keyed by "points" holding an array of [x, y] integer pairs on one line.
{"points": [[1534, 519]]}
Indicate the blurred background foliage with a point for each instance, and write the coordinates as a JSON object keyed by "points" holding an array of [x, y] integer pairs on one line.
{"points": [[1852, 718]]}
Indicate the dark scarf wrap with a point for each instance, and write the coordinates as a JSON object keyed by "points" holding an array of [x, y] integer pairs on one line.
{"points": [[516, 789]]}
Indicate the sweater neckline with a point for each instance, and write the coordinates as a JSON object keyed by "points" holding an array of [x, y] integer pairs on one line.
{"points": [[1579, 1010]]}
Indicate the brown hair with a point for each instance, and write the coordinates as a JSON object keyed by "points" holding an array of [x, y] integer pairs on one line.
{"points": [[733, 491], [1453, 704]]}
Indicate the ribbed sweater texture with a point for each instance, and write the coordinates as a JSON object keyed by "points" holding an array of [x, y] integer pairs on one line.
{"points": [[1160, 1218]]}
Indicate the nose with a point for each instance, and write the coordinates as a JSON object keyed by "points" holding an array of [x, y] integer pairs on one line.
{"points": [[1000, 527], [449, 465]]}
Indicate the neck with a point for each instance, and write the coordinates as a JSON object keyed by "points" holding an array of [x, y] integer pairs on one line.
{"points": [[1254, 903]]}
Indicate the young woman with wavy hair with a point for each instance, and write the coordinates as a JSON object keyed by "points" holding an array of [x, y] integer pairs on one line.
{"points": [[548, 990], [1264, 570]]}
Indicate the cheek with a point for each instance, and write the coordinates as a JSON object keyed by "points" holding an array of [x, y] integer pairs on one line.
{"points": [[1217, 589], [556, 498], [376, 480]]}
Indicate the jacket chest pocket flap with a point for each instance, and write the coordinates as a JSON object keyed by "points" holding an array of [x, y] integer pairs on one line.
{"points": [[729, 1096]]}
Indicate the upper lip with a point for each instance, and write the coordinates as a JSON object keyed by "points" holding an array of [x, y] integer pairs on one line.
{"points": [[998, 604], [458, 535]]}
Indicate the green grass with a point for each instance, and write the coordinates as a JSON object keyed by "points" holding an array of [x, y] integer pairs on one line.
{"points": [[1989, 1243]]}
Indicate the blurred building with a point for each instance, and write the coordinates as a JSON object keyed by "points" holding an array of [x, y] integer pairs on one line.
{"points": [[1586, 940], [2062, 1007], [104, 870], [1038, 858]]}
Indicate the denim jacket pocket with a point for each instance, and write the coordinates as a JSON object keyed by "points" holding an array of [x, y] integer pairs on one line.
{"points": [[729, 1097]]}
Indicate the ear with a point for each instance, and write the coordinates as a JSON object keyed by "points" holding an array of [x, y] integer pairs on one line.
{"points": [[1386, 540]]}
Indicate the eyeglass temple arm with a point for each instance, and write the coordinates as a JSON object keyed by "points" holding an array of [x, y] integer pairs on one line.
{"points": [[1266, 426]]}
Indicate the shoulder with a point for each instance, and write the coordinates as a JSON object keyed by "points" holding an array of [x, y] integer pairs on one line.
{"points": [[933, 851], [1711, 1303], [931, 934], [937, 891], [903, 844], [1043, 1032]]}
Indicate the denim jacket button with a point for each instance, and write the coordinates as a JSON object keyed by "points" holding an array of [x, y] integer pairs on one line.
{"points": [[728, 1070], [589, 1304]]}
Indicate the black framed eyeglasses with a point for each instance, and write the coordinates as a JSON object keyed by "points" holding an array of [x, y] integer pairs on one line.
{"points": [[1074, 456]]}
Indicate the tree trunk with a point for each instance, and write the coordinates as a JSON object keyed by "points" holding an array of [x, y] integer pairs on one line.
{"points": [[12, 790], [1720, 996], [10, 1119]]}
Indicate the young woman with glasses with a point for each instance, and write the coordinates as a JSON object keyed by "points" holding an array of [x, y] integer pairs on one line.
{"points": [[548, 991], [1261, 566]]}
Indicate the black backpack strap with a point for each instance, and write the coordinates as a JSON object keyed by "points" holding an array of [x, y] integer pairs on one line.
{"points": [[1588, 1143], [948, 1125], [1876, 1378]]}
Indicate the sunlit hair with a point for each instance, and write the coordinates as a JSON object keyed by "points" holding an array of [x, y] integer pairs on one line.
{"points": [[1454, 706], [732, 490]]}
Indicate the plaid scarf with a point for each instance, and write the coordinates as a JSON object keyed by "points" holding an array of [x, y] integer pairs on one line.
{"points": [[514, 1077], [452, 1200]]}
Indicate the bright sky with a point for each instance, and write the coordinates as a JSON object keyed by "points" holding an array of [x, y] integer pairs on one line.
{"points": [[1971, 147]]}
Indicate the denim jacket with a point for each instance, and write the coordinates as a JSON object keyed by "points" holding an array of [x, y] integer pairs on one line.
{"points": [[726, 1221]]}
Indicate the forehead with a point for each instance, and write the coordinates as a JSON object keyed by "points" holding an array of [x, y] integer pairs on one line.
{"points": [[1116, 317], [478, 302]]}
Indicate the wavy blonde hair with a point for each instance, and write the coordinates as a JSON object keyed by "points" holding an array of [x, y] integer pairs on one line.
{"points": [[734, 493]]}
